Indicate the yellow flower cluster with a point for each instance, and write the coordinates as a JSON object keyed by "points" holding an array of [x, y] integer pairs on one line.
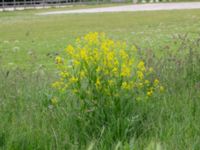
{"points": [[98, 65]]}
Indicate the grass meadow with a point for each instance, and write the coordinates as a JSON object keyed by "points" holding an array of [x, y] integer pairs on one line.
{"points": [[168, 41]]}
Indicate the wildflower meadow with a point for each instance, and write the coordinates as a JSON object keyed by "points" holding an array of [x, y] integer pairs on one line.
{"points": [[100, 81]]}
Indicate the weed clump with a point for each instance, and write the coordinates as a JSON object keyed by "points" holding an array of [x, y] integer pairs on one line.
{"points": [[107, 85]]}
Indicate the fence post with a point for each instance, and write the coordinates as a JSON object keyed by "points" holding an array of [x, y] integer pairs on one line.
{"points": [[43, 3], [34, 3], [3, 5], [14, 4], [24, 4]]}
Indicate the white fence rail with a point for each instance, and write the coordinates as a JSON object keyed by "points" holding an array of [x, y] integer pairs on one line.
{"points": [[26, 4]]}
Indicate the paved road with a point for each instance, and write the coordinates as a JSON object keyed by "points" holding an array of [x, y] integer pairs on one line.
{"points": [[136, 7]]}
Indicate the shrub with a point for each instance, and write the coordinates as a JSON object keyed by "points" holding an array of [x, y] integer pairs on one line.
{"points": [[106, 84]]}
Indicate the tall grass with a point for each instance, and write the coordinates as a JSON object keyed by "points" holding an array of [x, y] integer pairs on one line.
{"points": [[29, 120]]}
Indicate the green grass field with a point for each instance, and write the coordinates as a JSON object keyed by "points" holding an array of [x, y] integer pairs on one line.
{"points": [[167, 40], [45, 35]]}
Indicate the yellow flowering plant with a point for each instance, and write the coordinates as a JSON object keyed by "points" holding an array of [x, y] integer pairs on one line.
{"points": [[100, 72]]}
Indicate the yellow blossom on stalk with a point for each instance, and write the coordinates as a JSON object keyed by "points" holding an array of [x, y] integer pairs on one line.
{"points": [[115, 70], [92, 37], [64, 88], [149, 93], [64, 74], [123, 54], [141, 66], [110, 56], [57, 84], [134, 48], [58, 60], [96, 65], [110, 43], [98, 83], [140, 85], [116, 62], [126, 86], [83, 54], [78, 40], [96, 55], [140, 75], [156, 82], [104, 47], [76, 62], [82, 74], [126, 72], [70, 49], [98, 69], [73, 79], [130, 62]]}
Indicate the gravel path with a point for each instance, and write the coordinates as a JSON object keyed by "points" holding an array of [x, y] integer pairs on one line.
{"points": [[136, 7]]}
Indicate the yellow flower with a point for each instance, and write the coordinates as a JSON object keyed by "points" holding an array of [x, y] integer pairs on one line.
{"points": [[76, 62], [123, 54], [110, 43], [57, 84], [134, 48], [78, 40], [141, 66], [108, 64], [83, 54], [156, 82], [104, 47], [73, 79], [82, 74], [149, 93], [110, 56], [115, 70], [58, 60], [64, 88], [116, 62], [125, 85], [98, 69], [64, 74], [126, 72], [98, 83], [140, 75], [92, 37], [70, 49], [140, 85]]}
